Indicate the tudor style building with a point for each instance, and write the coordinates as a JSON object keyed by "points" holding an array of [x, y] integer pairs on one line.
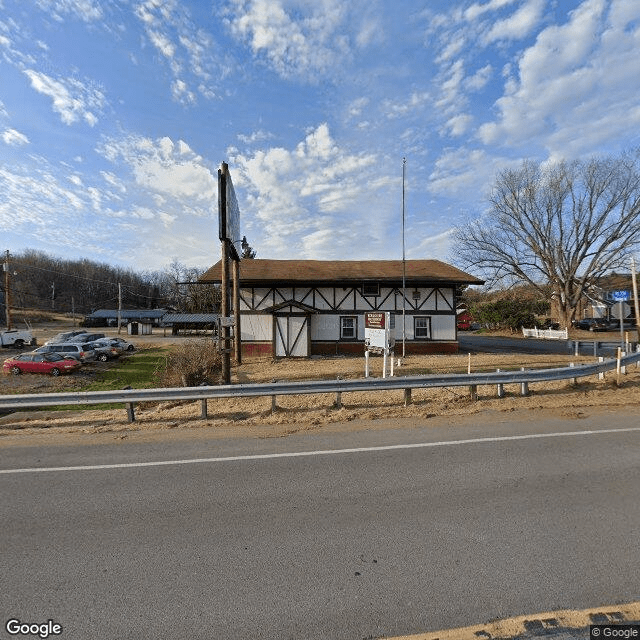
{"points": [[312, 307]]}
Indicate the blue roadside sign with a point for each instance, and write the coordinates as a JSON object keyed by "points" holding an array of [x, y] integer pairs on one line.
{"points": [[620, 296]]}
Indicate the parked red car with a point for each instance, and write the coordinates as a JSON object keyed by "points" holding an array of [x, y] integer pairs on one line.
{"points": [[40, 363]]}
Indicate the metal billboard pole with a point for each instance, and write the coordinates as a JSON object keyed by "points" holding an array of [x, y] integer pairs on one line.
{"points": [[224, 306]]}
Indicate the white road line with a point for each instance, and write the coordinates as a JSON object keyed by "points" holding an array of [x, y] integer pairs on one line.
{"points": [[327, 452]]}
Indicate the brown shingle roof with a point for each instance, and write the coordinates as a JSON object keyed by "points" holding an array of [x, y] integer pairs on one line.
{"points": [[308, 271]]}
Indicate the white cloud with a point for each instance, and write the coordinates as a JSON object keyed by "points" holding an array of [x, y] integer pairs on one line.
{"points": [[113, 181], [480, 78], [477, 10], [190, 51], [356, 107], [519, 24], [450, 90], [459, 125], [464, 173], [162, 43], [164, 167], [315, 41], [256, 136], [453, 48], [48, 203], [181, 92], [415, 102], [584, 71], [301, 199], [14, 138], [72, 99], [370, 32], [86, 10], [436, 247]]}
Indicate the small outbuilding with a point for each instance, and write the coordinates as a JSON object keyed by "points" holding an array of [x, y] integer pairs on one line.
{"points": [[109, 317]]}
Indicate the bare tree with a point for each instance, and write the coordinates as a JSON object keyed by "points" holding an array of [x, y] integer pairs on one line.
{"points": [[562, 225]]}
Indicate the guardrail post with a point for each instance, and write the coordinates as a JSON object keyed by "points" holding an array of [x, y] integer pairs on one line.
{"points": [[407, 397], [203, 409], [473, 390], [500, 387], [574, 381], [131, 416], [524, 386], [577, 348], [274, 406], [601, 374], [338, 403], [595, 348]]}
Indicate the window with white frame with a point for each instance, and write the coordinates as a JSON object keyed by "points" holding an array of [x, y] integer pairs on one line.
{"points": [[422, 327], [348, 327]]}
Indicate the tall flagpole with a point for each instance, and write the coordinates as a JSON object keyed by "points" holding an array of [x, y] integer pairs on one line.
{"points": [[404, 268]]}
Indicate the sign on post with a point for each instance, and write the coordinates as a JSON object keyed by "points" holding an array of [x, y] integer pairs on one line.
{"points": [[379, 336], [620, 296], [380, 329]]}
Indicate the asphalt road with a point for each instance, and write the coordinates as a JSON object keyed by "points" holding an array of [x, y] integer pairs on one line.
{"points": [[344, 536], [607, 344]]}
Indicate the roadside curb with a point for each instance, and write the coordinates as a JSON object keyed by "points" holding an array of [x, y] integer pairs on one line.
{"points": [[544, 624]]}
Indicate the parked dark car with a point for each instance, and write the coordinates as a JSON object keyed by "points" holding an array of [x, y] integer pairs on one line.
{"points": [[593, 324], [86, 337], [549, 323]]}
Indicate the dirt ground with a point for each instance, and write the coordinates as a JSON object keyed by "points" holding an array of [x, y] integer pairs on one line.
{"points": [[318, 412]]}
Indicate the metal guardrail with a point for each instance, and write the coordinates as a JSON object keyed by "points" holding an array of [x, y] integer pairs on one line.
{"points": [[523, 377]]}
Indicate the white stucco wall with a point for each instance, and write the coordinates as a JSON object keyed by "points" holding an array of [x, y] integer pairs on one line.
{"points": [[256, 327]]}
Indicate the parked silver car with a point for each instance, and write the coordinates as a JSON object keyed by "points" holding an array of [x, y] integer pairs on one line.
{"points": [[104, 350], [120, 343], [78, 351]]}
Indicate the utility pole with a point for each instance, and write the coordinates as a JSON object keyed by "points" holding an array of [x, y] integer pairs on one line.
{"points": [[636, 304], [119, 305], [7, 291]]}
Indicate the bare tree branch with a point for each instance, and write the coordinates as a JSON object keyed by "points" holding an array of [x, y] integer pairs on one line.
{"points": [[563, 225]]}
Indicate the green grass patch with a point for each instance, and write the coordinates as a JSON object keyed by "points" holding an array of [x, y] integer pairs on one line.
{"points": [[140, 370]]}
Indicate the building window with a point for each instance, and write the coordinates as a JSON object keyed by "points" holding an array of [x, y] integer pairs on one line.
{"points": [[422, 328], [348, 328], [371, 289]]}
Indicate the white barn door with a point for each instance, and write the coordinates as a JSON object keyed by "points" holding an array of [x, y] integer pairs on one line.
{"points": [[291, 336]]}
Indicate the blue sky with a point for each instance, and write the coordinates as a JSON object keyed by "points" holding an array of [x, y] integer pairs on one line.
{"points": [[115, 117]]}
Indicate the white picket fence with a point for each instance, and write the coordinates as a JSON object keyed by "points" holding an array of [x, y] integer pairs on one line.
{"points": [[549, 334]]}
